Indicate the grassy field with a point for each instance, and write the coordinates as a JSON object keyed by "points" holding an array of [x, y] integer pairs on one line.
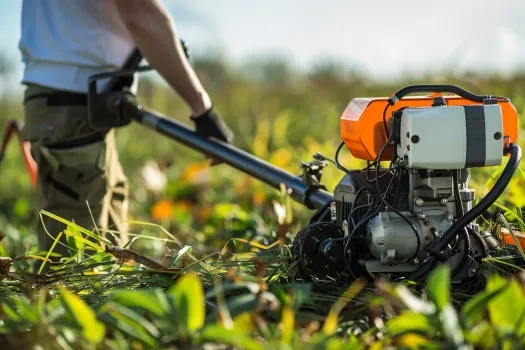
{"points": [[213, 226]]}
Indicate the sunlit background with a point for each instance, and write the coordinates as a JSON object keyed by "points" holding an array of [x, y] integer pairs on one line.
{"points": [[385, 39]]}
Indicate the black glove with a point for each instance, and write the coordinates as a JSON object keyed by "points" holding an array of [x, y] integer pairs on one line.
{"points": [[210, 124]]}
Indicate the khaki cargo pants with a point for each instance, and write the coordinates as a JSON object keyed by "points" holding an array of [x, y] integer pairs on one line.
{"points": [[78, 171]]}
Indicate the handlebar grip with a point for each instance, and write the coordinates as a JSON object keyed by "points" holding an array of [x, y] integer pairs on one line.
{"points": [[438, 88]]}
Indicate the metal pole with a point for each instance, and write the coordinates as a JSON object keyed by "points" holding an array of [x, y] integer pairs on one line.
{"points": [[235, 157]]}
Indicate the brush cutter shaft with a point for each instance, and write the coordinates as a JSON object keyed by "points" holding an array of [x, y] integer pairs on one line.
{"points": [[237, 158]]}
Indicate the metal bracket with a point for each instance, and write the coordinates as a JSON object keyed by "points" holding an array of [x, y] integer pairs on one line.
{"points": [[313, 172], [311, 177]]}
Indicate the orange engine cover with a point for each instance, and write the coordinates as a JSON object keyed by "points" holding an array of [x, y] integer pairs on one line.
{"points": [[362, 122]]}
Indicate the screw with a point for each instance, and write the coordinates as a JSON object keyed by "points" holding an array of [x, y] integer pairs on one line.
{"points": [[450, 217], [419, 202], [443, 201], [421, 216], [416, 261]]}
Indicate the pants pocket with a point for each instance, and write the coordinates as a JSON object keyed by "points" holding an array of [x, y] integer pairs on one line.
{"points": [[77, 172]]}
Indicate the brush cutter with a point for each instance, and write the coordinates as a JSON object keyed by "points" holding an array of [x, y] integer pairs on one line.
{"points": [[397, 222]]}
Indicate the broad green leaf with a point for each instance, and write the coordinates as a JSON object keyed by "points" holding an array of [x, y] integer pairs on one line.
{"points": [[410, 321], [243, 323], [188, 301], [505, 308], [73, 243], [10, 313], [438, 286], [92, 329], [135, 316], [475, 307], [413, 341], [481, 335], [300, 293], [143, 299], [27, 311], [241, 304], [121, 341], [129, 326], [214, 333]]}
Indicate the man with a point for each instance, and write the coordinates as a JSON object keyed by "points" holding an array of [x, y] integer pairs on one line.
{"points": [[64, 42]]}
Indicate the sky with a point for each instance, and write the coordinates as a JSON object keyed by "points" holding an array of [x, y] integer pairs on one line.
{"points": [[385, 39]]}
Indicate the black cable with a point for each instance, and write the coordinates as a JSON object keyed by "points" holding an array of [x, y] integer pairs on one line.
{"points": [[352, 207], [354, 202], [457, 195], [345, 170], [376, 205], [398, 189], [382, 196], [390, 139], [374, 164], [384, 120], [350, 216], [457, 200], [437, 246], [363, 221]]}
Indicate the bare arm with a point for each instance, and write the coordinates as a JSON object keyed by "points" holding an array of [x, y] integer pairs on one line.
{"points": [[153, 30]]}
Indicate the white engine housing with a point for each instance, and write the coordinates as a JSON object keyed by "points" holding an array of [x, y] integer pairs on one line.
{"points": [[451, 137]]}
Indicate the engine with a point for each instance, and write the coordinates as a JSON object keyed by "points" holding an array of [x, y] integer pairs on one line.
{"points": [[383, 219], [388, 244]]}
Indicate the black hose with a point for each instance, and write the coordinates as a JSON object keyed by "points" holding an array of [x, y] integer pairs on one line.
{"points": [[437, 246], [486, 202], [466, 252]]}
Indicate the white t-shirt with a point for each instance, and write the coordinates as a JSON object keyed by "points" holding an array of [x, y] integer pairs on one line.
{"points": [[63, 42]]}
